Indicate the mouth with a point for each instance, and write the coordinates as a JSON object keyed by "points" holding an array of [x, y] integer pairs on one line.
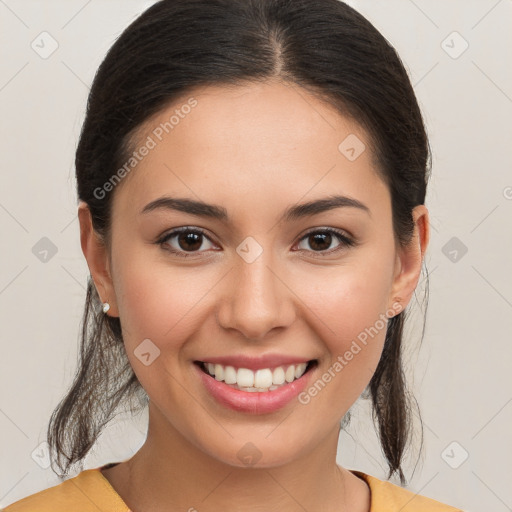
{"points": [[261, 380]]}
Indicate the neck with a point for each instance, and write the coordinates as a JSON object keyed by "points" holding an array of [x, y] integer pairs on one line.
{"points": [[169, 470]]}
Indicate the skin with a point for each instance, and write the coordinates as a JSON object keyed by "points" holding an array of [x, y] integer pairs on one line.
{"points": [[255, 150]]}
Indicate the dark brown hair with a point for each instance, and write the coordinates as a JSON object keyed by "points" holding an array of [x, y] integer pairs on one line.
{"points": [[323, 46]]}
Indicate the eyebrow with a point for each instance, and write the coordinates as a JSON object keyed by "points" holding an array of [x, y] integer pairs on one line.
{"points": [[293, 213]]}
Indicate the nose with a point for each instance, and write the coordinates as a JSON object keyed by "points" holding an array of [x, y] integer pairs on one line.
{"points": [[256, 299]]}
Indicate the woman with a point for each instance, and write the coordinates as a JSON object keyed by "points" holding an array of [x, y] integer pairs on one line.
{"points": [[251, 177]]}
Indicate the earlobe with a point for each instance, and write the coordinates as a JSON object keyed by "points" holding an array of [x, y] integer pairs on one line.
{"points": [[96, 255], [410, 259]]}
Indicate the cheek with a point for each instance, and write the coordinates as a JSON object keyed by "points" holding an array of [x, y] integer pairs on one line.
{"points": [[348, 312], [160, 304], [157, 303], [151, 296], [350, 297]]}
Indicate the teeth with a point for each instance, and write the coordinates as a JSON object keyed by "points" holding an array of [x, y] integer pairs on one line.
{"points": [[219, 372], [278, 376], [229, 375], [265, 379], [244, 377], [290, 374]]}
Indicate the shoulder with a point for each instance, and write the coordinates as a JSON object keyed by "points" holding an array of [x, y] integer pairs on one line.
{"points": [[87, 492], [388, 496]]}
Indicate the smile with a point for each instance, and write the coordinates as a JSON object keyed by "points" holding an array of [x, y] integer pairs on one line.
{"points": [[254, 391], [261, 380]]}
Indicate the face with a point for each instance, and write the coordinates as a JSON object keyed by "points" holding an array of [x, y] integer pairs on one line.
{"points": [[254, 282]]}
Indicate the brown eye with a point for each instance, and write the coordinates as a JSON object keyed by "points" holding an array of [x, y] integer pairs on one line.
{"points": [[186, 240], [189, 241], [320, 240]]}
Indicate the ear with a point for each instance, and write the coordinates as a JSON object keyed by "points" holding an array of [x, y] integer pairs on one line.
{"points": [[97, 257], [409, 259]]}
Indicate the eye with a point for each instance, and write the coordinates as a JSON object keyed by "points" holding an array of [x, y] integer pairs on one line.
{"points": [[190, 240], [187, 240], [321, 239]]}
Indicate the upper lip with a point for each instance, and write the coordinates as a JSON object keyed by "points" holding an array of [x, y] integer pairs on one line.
{"points": [[255, 363]]}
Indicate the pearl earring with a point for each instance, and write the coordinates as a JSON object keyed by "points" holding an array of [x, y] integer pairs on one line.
{"points": [[106, 307]]}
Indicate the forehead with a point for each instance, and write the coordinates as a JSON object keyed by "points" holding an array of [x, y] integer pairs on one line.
{"points": [[271, 142]]}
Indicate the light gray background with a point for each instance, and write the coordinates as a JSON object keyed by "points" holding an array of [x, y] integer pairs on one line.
{"points": [[462, 371]]}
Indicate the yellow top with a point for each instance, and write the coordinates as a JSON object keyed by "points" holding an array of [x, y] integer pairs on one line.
{"points": [[90, 491]]}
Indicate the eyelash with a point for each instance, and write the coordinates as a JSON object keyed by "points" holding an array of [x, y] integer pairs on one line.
{"points": [[345, 241]]}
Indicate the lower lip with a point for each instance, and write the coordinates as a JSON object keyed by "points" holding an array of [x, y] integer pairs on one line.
{"points": [[258, 402]]}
